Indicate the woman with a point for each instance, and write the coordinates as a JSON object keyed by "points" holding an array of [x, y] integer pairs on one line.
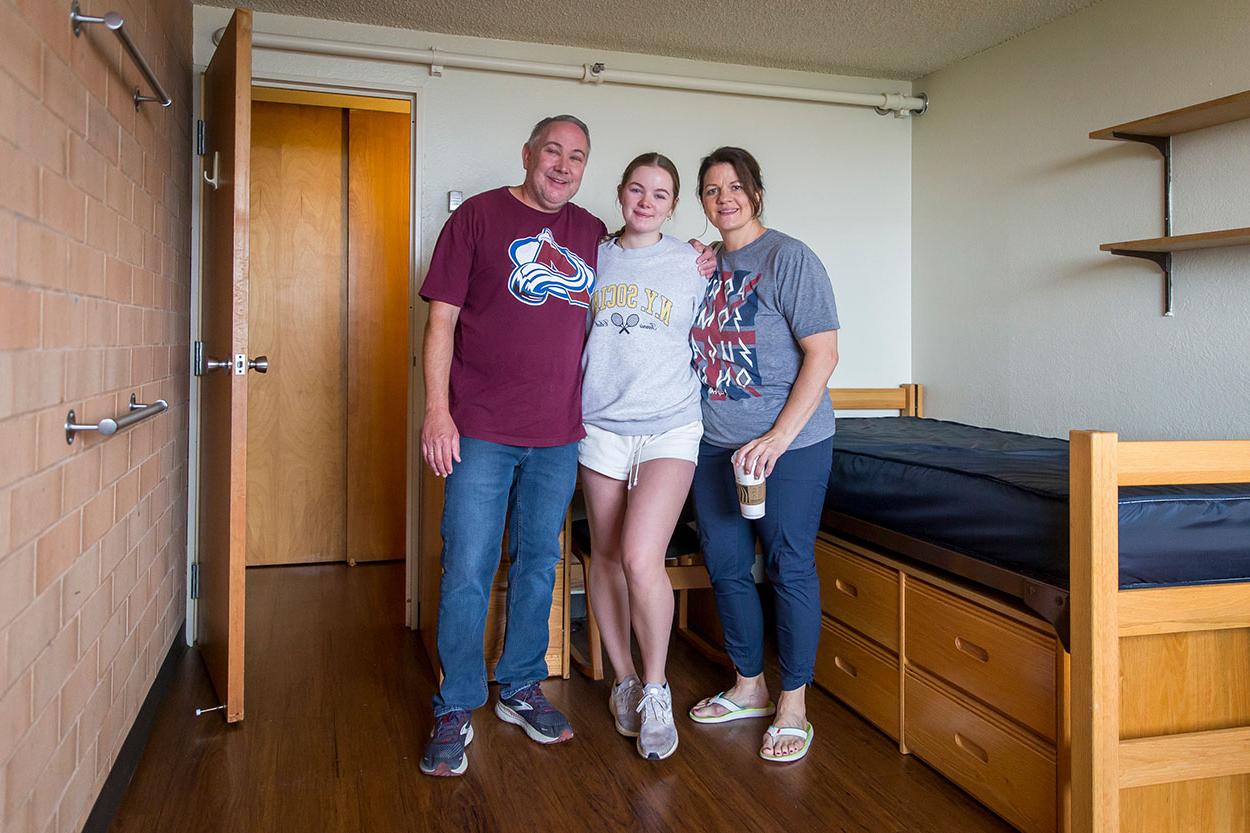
{"points": [[640, 405], [765, 343]]}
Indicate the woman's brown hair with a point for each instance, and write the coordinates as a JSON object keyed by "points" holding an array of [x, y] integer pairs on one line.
{"points": [[651, 159], [746, 169]]}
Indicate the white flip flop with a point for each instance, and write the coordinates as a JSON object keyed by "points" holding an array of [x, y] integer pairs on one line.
{"points": [[775, 732], [732, 711]]}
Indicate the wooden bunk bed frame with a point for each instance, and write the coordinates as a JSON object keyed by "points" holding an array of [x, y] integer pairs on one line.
{"points": [[1153, 701]]}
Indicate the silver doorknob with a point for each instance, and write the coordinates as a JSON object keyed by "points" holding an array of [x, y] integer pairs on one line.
{"points": [[260, 364]]}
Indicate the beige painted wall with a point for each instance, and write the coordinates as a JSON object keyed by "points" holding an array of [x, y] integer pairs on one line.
{"points": [[1019, 321], [838, 178], [94, 277]]}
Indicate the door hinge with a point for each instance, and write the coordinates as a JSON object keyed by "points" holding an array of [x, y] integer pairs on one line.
{"points": [[199, 137], [194, 578], [197, 359]]}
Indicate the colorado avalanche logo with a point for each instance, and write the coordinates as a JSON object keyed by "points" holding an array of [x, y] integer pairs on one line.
{"points": [[545, 268]]}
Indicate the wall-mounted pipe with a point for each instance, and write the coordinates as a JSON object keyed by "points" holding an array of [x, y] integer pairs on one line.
{"points": [[597, 73]]}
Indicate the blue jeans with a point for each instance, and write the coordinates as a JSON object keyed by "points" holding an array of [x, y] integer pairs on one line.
{"points": [[491, 480], [795, 494]]}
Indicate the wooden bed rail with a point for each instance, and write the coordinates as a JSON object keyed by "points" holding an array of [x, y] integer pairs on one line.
{"points": [[907, 399], [1104, 763]]}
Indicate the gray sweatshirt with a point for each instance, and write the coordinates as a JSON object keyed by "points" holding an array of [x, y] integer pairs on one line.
{"points": [[637, 376]]}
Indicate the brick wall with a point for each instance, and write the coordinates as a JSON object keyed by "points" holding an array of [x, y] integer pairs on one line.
{"points": [[94, 305]]}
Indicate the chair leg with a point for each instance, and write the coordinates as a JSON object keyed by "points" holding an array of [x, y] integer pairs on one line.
{"points": [[590, 663]]}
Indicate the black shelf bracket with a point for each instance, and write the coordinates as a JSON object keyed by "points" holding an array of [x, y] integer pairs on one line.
{"points": [[1163, 144], [1164, 261]]}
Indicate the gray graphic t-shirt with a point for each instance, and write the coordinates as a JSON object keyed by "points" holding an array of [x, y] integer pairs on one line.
{"points": [[637, 374], [762, 300]]}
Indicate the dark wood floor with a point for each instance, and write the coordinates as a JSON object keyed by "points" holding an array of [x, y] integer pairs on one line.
{"points": [[338, 706]]}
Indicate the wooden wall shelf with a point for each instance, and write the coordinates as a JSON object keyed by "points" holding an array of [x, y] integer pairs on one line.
{"points": [[1157, 131], [1195, 117], [1184, 242]]}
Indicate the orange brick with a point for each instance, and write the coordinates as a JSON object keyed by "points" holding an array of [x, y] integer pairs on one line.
{"points": [[55, 664], [129, 242], [149, 475], [61, 205], [120, 191], [127, 494], [121, 103], [115, 458], [95, 612], [112, 636], [36, 505], [97, 517], [32, 630], [51, 782], [93, 62], [20, 318], [8, 107], [20, 174], [42, 256], [41, 134], [20, 55], [84, 374], [117, 277], [8, 244], [86, 267], [81, 581], [38, 379], [17, 586], [144, 209], [18, 439], [56, 551], [30, 757], [102, 129], [82, 479], [101, 233], [16, 715], [130, 321], [143, 291], [72, 811], [63, 93], [152, 252], [50, 25], [131, 158], [50, 442], [116, 369], [101, 323], [88, 170], [62, 321]]}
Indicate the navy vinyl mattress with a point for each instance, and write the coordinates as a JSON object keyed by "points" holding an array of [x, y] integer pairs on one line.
{"points": [[1003, 498]]}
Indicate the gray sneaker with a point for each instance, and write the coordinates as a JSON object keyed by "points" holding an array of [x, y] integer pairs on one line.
{"points": [[623, 703], [657, 734]]}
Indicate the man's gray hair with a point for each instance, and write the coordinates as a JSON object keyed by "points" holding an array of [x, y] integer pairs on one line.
{"points": [[550, 120]]}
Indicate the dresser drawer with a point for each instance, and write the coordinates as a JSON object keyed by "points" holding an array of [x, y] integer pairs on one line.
{"points": [[859, 593], [1009, 772], [992, 657], [859, 674]]}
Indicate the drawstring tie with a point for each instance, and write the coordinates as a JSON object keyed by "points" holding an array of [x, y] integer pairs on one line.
{"points": [[635, 452]]}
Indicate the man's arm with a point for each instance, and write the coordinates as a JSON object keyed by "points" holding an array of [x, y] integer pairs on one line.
{"points": [[440, 439]]}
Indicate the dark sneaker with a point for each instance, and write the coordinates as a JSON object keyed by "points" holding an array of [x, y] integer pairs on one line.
{"points": [[444, 753], [530, 710]]}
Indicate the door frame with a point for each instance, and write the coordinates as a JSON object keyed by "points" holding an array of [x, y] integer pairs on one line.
{"points": [[327, 83]]}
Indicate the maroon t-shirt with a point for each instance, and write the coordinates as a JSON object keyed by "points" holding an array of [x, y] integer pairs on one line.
{"points": [[522, 279]]}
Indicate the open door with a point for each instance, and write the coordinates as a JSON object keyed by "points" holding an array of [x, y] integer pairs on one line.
{"points": [[221, 360]]}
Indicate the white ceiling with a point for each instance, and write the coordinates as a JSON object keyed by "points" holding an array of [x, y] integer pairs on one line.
{"points": [[877, 38]]}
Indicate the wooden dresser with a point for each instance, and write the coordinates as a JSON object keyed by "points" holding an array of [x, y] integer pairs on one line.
{"points": [[963, 680], [430, 568]]}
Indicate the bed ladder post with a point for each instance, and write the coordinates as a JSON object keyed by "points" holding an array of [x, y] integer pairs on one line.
{"points": [[1095, 676]]}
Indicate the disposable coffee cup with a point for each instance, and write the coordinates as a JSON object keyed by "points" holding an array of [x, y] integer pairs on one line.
{"points": [[750, 492]]}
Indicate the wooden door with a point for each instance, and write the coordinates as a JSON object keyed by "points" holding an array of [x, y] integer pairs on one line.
{"points": [[296, 466], [223, 391], [378, 348]]}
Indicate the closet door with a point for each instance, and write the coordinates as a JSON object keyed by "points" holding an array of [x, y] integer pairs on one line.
{"points": [[377, 341], [296, 417]]}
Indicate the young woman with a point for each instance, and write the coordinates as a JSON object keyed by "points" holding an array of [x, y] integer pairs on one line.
{"points": [[765, 342], [640, 405]]}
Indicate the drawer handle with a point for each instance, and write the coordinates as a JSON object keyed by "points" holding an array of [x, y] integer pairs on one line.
{"points": [[846, 587], [972, 749], [972, 649], [845, 667]]}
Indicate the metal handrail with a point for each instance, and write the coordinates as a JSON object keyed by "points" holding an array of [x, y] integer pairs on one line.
{"points": [[114, 21], [108, 426]]}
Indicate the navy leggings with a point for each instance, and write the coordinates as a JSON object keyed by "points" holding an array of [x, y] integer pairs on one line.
{"points": [[795, 494]]}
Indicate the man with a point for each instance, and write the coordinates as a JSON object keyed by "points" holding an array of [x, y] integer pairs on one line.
{"points": [[508, 288]]}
